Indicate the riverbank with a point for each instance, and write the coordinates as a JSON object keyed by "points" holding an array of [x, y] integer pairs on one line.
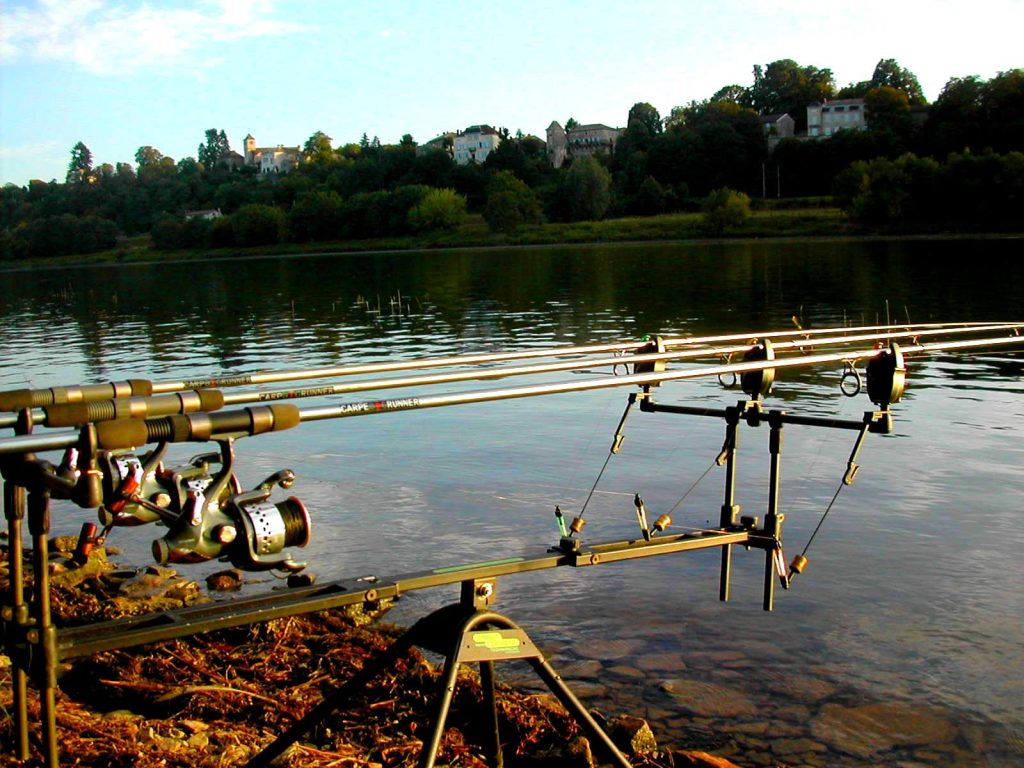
{"points": [[474, 233], [764, 224], [217, 699]]}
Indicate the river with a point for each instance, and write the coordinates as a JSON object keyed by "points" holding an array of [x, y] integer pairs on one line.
{"points": [[900, 645]]}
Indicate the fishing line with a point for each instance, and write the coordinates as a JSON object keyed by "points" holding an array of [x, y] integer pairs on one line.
{"points": [[822, 520], [598, 480], [696, 482]]}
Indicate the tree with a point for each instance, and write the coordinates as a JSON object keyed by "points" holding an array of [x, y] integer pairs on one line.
{"points": [[587, 187], [80, 167], [725, 209], [439, 209], [510, 203], [888, 73], [571, 123], [213, 150], [317, 148], [888, 115], [315, 216], [258, 225], [710, 144], [147, 156], [1002, 107], [785, 86], [737, 94], [955, 119]]}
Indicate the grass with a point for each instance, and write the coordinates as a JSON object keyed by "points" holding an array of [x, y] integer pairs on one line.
{"points": [[474, 233]]}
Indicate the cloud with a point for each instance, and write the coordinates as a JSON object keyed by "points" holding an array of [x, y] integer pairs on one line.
{"points": [[108, 38]]}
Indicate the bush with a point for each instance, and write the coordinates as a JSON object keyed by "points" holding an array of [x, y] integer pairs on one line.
{"points": [[222, 233], [167, 232], [316, 216], [587, 188], [725, 209], [258, 225], [510, 203], [439, 209]]}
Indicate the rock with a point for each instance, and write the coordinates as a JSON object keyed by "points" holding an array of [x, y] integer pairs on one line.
{"points": [[872, 728], [632, 734], [622, 670], [63, 544], [790, 747], [225, 581], [610, 649], [575, 754], [756, 728], [661, 663], [304, 579], [168, 743], [709, 699], [688, 758], [582, 669]]}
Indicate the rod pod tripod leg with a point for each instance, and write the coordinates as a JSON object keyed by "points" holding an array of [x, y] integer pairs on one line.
{"points": [[15, 616], [464, 633]]}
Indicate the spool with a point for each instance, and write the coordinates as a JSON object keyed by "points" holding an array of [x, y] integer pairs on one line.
{"points": [[758, 384], [799, 564], [887, 375]]}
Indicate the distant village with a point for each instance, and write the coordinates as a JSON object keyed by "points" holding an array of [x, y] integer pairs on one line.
{"points": [[476, 142]]}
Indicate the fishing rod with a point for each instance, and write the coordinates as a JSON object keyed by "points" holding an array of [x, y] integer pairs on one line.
{"points": [[132, 432], [78, 413], [14, 400]]}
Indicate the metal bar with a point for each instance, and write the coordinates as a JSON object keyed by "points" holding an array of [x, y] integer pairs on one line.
{"points": [[773, 519], [729, 510], [787, 418], [126, 633], [14, 511], [595, 733], [44, 634]]}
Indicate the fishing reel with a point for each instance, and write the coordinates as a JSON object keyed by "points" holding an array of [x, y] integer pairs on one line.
{"points": [[203, 506]]}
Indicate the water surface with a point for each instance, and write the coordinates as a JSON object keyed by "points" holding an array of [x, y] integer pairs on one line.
{"points": [[910, 614]]}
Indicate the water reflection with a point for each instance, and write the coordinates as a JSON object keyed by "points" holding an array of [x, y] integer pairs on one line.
{"points": [[914, 592]]}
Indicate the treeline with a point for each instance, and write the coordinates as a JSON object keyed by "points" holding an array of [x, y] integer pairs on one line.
{"points": [[370, 190], [967, 191]]}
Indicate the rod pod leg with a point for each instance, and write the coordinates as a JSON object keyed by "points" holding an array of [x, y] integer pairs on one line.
{"points": [[486, 637], [16, 616], [44, 633]]}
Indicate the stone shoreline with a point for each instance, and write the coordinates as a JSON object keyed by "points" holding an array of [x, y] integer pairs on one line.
{"points": [[217, 699]]}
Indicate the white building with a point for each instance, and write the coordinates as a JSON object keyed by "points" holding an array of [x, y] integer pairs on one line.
{"points": [[829, 117], [474, 144], [279, 159], [591, 139]]}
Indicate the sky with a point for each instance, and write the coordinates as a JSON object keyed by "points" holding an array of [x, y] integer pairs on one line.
{"points": [[120, 74]]}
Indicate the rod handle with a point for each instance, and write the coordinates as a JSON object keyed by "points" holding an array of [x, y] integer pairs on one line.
{"points": [[77, 414], [199, 427], [16, 399]]}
